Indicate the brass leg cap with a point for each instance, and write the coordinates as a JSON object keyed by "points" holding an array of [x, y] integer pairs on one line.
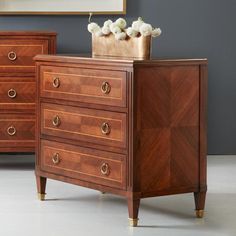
{"points": [[133, 222], [41, 196], [199, 213]]}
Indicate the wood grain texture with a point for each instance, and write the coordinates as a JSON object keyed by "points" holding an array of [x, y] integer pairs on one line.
{"points": [[84, 124], [17, 86], [24, 51], [23, 125], [84, 164], [168, 127], [84, 85], [17, 94], [162, 149]]}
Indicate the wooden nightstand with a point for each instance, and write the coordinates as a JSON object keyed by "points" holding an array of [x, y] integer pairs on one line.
{"points": [[129, 127], [17, 87]]}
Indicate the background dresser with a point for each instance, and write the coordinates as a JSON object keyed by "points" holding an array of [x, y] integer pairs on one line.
{"points": [[17, 87], [132, 128]]}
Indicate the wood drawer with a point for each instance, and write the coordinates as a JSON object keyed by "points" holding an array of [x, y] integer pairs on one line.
{"points": [[17, 130], [17, 94], [17, 55], [94, 126], [90, 165], [84, 85]]}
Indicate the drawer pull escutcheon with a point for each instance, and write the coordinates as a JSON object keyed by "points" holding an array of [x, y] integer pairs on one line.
{"points": [[56, 121], [56, 82], [11, 130], [12, 56], [105, 128], [55, 158], [106, 88], [105, 170], [11, 93]]}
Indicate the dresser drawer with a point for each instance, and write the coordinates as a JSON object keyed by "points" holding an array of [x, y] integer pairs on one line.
{"points": [[17, 55], [84, 85], [85, 164], [94, 126], [16, 94], [17, 130]]}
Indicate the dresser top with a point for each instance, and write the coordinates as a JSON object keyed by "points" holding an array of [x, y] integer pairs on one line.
{"points": [[88, 59], [28, 33]]}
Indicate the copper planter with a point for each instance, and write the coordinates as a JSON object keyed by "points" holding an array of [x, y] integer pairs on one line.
{"points": [[138, 47]]}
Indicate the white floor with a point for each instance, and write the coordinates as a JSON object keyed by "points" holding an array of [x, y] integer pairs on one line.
{"points": [[72, 210]]}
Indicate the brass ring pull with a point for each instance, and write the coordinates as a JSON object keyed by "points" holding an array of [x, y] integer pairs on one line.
{"points": [[12, 56], [105, 128], [56, 82], [11, 130], [11, 93], [55, 158], [56, 121], [106, 88], [105, 170]]}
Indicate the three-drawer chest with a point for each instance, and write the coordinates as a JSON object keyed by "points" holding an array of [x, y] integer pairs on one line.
{"points": [[17, 87], [135, 128]]}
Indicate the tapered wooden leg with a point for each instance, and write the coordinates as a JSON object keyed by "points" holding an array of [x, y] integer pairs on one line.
{"points": [[41, 187], [200, 198], [133, 206]]}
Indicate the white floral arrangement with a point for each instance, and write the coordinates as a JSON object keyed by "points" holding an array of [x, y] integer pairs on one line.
{"points": [[119, 30]]}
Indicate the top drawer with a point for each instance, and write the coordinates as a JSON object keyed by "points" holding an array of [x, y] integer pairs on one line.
{"points": [[84, 85], [17, 55]]}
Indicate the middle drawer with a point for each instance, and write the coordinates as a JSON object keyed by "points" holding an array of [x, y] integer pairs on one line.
{"points": [[17, 94], [88, 125]]}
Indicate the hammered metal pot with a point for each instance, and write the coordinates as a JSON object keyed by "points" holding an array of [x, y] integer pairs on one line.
{"points": [[138, 47]]}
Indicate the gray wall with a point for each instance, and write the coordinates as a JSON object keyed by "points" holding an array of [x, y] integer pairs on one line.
{"points": [[191, 28]]}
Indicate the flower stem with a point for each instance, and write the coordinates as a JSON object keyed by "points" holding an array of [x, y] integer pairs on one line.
{"points": [[90, 16]]}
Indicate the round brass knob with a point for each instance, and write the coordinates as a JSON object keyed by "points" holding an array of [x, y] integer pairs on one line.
{"points": [[56, 121], [105, 128], [11, 130], [105, 170], [12, 56], [55, 158], [106, 88], [11, 93], [56, 82]]}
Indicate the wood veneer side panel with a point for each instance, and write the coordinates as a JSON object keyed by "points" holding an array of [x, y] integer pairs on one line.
{"points": [[153, 105], [203, 128], [169, 127]]}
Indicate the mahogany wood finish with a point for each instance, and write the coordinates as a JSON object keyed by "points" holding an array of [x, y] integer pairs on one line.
{"points": [[154, 143], [17, 87]]}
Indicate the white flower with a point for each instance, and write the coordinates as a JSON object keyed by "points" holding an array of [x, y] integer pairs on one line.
{"points": [[121, 23], [116, 30], [156, 32], [137, 24], [106, 30], [120, 36], [93, 27], [145, 29], [112, 25], [131, 32], [99, 33], [107, 23]]}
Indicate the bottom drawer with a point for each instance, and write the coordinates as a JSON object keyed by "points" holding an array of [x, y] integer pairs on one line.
{"points": [[17, 130], [86, 164]]}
